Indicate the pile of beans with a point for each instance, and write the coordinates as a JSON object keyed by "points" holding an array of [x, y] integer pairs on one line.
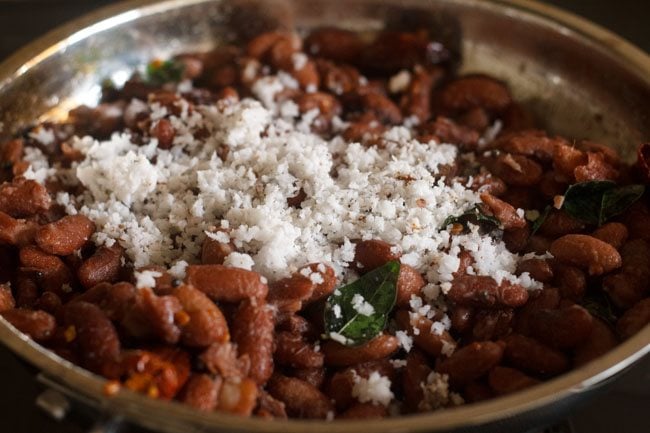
{"points": [[225, 340]]}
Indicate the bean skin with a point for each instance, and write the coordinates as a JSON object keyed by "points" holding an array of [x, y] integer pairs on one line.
{"points": [[534, 357], [563, 328], [38, 325], [97, 339], [483, 291], [254, 337], [207, 323], [471, 362], [301, 399], [65, 236], [339, 355], [634, 319], [223, 283], [586, 252], [505, 380], [102, 267], [374, 253]]}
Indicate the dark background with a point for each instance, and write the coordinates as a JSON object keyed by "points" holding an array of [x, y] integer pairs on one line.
{"points": [[623, 409]]}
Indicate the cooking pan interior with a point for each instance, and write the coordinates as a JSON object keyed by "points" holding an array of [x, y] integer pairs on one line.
{"points": [[582, 82], [576, 85]]}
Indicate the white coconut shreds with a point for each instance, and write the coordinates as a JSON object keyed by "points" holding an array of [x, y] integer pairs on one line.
{"points": [[436, 393], [159, 205], [375, 389]]}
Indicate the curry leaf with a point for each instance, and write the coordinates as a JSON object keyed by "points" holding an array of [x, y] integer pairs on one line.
{"points": [[161, 72], [599, 306], [584, 200], [616, 200], [358, 312], [475, 215], [595, 202]]}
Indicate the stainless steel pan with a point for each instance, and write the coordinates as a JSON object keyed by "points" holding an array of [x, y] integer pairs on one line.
{"points": [[585, 81]]}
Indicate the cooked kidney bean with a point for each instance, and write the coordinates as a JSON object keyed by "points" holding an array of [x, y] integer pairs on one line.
{"points": [[421, 329], [483, 291], [206, 324], [530, 355], [471, 362], [570, 281], [477, 391], [201, 392], [505, 380], [16, 231], [339, 355], [475, 91], [324, 281], [293, 351], [254, 337], [634, 319], [49, 302], [409, 283], [66, 235], [314, 376], [515, 170], [595, 169], [539, 269], [214, 252], [97, 341], [334, 44], [614, 234], [628, 286], [51, 272], [559, 223], [102, 267], [600, 341], [301, 399], [339, 387], [548, 298], [563, 328], [26, 290], [221, 358], [288, 293], [416, 101], [152, 316], [586, 252], [462, 318], [532, 143], [492, 324], [504, 212], [115, 300], [415, 374], [372, 254], [80, 300], [445, 130], [392, 51], [6, 299], [223, 283], [23, 198], [37, 324]]}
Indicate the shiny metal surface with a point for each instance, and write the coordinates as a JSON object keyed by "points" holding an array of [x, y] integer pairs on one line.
{"points": [[583, 80]]}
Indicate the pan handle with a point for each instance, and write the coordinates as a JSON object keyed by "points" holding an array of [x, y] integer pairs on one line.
{"points": [[58, 399]]}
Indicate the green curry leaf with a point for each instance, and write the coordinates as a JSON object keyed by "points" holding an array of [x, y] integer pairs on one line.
{"points": [[475, 215], [358, 312], [596, 202], [598, 305], [161, 72]]}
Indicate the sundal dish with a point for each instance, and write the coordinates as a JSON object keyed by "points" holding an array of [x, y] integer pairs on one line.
{"points": [[332, 227]]}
